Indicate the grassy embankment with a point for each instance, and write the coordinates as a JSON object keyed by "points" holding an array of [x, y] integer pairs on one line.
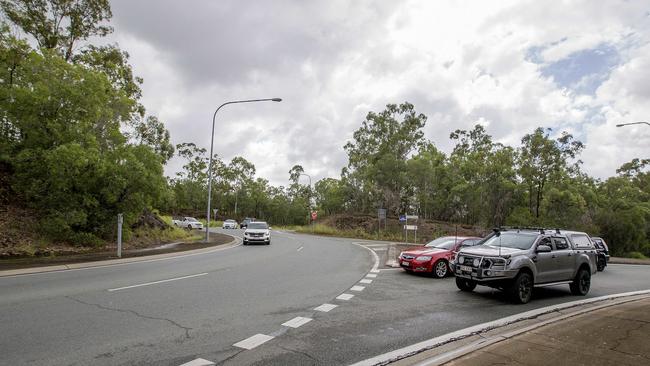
{"points": [[326, 230]]}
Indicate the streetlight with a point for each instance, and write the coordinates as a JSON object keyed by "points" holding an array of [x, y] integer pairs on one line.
{"points": [[207, 229], [632, 123]]}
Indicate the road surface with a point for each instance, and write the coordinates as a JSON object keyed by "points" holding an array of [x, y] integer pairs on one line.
{"points": [[250, 305]]}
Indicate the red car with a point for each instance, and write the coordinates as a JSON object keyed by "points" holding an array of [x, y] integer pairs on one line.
{"points": [[435, 256]]}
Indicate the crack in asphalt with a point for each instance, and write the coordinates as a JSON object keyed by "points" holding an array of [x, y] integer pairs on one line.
{"points": [[133, 312], [300, 353]]}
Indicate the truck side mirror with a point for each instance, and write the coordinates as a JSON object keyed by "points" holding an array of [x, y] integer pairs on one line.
{"points": [[543, 249]]}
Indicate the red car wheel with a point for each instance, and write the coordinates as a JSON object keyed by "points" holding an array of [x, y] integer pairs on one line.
{"points": [[440, 268]]}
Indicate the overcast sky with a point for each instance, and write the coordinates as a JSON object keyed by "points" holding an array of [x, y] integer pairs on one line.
{"points": [[579, 66]]}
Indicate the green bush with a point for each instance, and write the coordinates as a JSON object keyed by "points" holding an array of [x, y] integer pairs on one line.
{"points": [[636, 255]]}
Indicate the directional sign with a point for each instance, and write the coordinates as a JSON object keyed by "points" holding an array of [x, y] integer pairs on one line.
{"points": [[410, 227], [381, 213], [411, 217], [402, 218]]}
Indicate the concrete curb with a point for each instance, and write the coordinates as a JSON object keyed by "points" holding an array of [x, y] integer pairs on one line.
{"points": [[121, 261], [432, 343]]}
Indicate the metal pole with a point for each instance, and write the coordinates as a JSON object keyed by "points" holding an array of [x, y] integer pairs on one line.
{"points": [[214, 116], [311, 220], [120, 220]]}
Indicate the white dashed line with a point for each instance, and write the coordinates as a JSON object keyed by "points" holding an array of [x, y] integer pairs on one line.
{"points": [[199, 362], [357, 288], [365, 280], [254, 341], [344, 297], [296, 322], [371, 275], [325, 307], [299, 249], [156, 282]]}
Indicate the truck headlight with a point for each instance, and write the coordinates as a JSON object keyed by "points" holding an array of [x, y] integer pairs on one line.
{"points": [[476, 262], [461, 259]]}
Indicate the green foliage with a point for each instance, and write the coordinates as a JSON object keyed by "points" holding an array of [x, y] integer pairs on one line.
{"points": [[63, 116]]}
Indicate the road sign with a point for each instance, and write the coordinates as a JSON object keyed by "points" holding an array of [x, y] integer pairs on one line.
{"points": [[411, 217], [402, 218], [381, 213], [410, 227], [314, 215]]}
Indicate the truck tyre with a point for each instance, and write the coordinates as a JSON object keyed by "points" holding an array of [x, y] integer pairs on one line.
{"points": [[521, 290], [581, 284], [466, 285], [601, 264], [440, 269]]}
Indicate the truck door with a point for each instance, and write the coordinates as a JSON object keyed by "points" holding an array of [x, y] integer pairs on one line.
{"points": [[565, 259], [545, 263]]}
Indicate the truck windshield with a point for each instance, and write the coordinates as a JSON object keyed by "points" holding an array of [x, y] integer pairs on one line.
{"points": [[258, 225], [508, 239]]}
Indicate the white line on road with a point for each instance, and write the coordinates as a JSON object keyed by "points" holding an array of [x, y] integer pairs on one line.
{"points": [[344, 297], [365, 280], [157, 282], [371, 275], [357, 288], [374, 255], [325, 307], [199, 362], [254, 341], [374, 271], [296, 322], [299, 249]]}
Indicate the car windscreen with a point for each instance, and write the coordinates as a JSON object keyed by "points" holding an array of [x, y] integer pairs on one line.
{"points": [[191, 219], [445, 242], [516, 240], [258, 225], [230, 220]]}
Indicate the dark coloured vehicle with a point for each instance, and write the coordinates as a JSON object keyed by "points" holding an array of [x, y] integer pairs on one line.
{"points": [[244, 223], [603, 253], [516, 260]]}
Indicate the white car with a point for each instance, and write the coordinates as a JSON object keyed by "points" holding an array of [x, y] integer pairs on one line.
{"points": [[187, 222], [229, 224], [257, 232]]}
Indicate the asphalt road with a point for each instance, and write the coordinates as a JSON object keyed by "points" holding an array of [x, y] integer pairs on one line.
{"points": [[172, 311]]}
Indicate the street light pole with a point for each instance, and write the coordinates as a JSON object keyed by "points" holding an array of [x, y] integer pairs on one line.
{"points": [[310, 219], [214, 116], [632, 123]]}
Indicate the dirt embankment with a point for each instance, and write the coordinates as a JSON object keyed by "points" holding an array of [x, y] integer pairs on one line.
{"points": [[427, 229]]}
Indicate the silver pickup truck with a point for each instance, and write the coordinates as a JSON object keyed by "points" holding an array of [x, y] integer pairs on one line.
{"points": [[516, 260]]}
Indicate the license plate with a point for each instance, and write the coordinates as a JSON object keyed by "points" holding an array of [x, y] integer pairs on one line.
{"points": [[406, 264], [466, 268]]}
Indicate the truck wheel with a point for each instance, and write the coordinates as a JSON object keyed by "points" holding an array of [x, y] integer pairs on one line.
{"points": [[601, 264], [440, 269], [464, 284], [581, 284], [189, 227], [521, 290]]}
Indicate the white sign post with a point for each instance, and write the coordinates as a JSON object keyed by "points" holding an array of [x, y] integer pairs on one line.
{"points": [[120, 220]]}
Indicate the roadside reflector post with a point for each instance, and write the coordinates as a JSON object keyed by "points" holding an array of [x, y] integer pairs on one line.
{"points": [[120, 220]]}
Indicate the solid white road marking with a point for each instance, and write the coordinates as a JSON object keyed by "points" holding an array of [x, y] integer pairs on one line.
{"points": [[374, 271], [296, 322], [156, 282], [344, 297], [199, 362], [365, 281], [371, 275], [325, 307], [254, 341], [299, 249], [357, 288], [379, 249], [374, 255]]}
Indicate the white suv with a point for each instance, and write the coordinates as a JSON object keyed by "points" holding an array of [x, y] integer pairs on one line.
{"points": [[257, 232]]}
